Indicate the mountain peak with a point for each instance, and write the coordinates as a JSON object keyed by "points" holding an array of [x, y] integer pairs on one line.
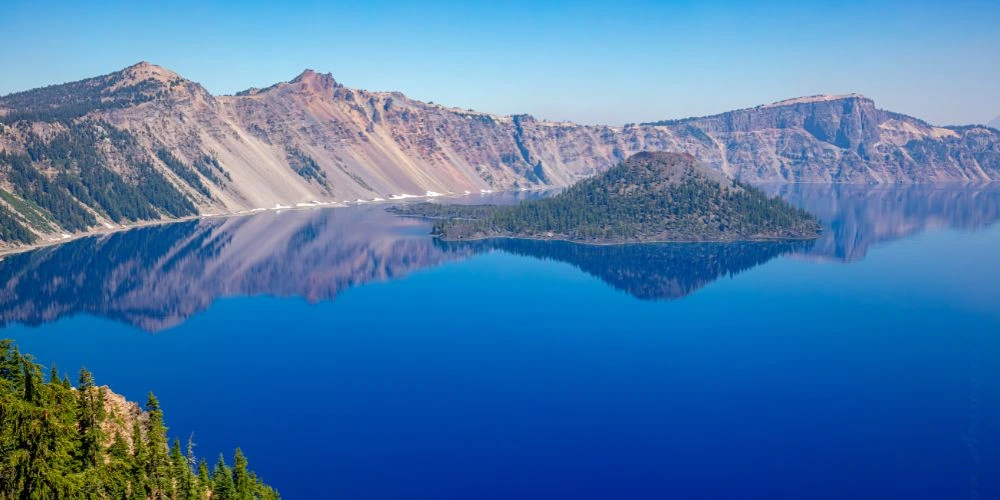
{"points": [[311, 77], [312, 82], [815, 98], [142, 65], [144, 70], [666, 166], [148, 67]]}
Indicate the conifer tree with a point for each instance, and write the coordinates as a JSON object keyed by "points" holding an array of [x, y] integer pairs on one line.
{"points": [[222, 481], [204, 478], [138, 463], [90, 416], [157, 461], [241, 476], [183, 479], [51, 445]]}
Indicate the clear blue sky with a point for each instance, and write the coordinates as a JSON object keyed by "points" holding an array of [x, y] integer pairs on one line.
{"points": [[593, 62]]}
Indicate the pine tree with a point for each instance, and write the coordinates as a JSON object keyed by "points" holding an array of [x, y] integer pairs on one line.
{"points": [[90, 416], [49, 432], [183, 479], [116, 473], [222, 481], [241, 476], [118, 449], [157, 461], [137, 470], [204, 478]]}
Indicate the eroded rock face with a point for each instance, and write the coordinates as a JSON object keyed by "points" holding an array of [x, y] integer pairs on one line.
{"points": [[312, 139]]}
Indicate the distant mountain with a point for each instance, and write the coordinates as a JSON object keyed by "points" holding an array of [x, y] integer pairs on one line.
{"points": [[144, 143], [649, 197], [995, 123]]}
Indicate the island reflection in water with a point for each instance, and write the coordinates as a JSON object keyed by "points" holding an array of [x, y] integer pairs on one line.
{"points": [[155, 278]]}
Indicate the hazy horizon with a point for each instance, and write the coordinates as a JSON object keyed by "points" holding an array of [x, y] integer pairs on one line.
{"points": [[583, 62]]}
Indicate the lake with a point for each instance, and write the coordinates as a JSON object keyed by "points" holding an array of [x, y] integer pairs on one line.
{"points": [[352, 356]]}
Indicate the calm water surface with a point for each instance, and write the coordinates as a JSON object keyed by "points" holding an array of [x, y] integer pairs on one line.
{"points": [[351, 356]]}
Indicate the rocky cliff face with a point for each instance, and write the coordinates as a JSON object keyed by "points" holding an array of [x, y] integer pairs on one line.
{"points": [[841, 139], [311, 140]]}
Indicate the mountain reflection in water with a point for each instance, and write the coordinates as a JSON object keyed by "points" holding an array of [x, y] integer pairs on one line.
{"points": [[856, 217], [156, 277]]}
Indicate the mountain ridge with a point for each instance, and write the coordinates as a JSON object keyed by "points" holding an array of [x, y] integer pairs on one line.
{"points": [[312, 141]]}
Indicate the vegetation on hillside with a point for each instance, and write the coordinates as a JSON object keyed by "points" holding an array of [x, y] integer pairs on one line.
{"points": [[62, 103], [11, 228], [306, 166], [185, 172], [55, 443], [66, 176], [649, 197]]}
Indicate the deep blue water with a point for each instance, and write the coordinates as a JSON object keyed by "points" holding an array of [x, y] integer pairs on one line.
{"points": [[350, 356]]}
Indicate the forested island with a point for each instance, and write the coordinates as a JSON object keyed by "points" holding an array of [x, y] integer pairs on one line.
{"points": [[650, 197], [61, 441]]}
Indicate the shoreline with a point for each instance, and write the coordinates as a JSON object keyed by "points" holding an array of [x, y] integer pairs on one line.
{"points": [[100, 231], [621, 243], [104, 230]]}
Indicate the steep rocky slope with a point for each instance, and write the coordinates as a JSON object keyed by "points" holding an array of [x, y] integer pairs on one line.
{"points": [[145, 144]]}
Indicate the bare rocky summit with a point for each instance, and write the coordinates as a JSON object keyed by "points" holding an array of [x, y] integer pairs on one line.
{"points": [[71, 155]]}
